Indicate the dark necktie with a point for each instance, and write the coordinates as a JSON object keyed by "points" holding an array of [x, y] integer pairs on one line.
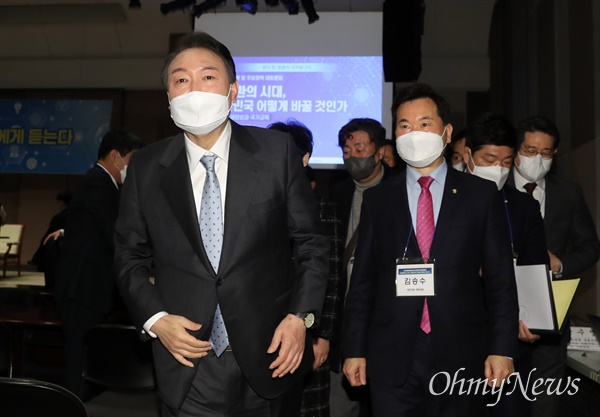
{"points": [[529, 187], [211, 228], [425, 229]]}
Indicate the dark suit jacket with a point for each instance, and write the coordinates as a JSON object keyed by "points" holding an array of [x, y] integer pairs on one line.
{"points": [[84, 272], [342, 195], [526, 225], [268, 202], [570, 231], [471, 316]]}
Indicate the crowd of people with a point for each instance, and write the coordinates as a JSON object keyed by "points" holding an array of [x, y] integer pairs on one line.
{"points": [[262, 297]]}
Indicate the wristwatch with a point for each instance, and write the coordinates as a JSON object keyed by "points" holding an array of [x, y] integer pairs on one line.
{"points": [[308, 318]]}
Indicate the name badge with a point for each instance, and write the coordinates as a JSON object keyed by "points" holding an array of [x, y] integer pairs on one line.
{"points": [[415, 279]]}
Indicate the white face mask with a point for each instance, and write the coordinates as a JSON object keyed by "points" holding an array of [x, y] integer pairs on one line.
{"points": [[419, 149], [199, 112], [459, 167], [498, 174], [533, 168], [122, 171]]}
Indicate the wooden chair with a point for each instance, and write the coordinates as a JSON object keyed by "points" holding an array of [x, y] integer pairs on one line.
{"points": [[28, 397], [11, 245]]}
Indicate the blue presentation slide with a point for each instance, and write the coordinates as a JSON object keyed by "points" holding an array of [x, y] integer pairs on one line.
{"points": [[322, 92], [51, 136]]}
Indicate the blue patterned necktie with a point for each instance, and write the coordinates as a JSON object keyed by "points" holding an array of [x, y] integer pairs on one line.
{"points": [[211, 228]]}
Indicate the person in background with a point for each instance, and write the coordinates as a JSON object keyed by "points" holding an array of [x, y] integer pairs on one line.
{"points": [[84, 280], [303, 138], [489, 153], [315, 396], [2, 215], [393, 163], [571, 237], [465, 318], [225, 215], [46, 257], [362, 141], [456, 150]]}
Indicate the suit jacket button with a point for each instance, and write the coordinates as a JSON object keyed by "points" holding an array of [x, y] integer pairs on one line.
{"points": [[219, 282]]}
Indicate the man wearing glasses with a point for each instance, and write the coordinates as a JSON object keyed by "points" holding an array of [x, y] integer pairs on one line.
{"points": [[570, 234]]}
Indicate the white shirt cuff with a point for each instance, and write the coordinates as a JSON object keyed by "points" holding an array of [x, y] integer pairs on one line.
{"points": [[150, 322]]}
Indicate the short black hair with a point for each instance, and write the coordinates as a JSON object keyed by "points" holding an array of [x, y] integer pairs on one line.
{"points": [[301, 134], [491, 129], [373, 128], [537, 123], [64, 196], [121, 140], [458, 135], [417, 91], [204, 41]]}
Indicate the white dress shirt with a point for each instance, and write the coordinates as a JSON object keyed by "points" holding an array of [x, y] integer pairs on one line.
{"points": [[198, 175]]}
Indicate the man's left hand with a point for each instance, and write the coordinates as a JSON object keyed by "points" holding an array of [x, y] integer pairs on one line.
{"points": [[289, 337], [321, 350], [555, 263], [498, 368]]}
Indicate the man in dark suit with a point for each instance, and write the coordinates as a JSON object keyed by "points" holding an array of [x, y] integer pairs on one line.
{"points": [[84, 287], [571, 236], [412, 346], [491, 142], [231, 298], [362, 141]]}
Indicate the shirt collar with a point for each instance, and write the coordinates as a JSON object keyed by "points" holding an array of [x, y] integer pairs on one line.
{"points": [[520, 181], [111, 177], [438, 175], [220, 148]]}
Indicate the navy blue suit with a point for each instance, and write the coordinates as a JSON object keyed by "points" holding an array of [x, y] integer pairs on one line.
{"points": [[471, 316]]}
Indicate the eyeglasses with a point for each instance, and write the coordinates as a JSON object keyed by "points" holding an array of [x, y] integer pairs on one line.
{"points": [[546, 153]]}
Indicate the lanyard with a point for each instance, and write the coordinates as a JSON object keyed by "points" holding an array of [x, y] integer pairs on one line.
{"points": [[408, 240], [512, 246]]}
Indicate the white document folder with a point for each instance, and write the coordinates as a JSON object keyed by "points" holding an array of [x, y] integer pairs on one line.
{"points": [[543, 303]]}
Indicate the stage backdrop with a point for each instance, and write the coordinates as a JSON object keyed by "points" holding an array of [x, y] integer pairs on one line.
{"points": [[51, 136]]}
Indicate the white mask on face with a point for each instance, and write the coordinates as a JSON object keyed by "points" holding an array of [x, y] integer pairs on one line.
{"points": [[459, 167], [497, 173], [533, 168], [419, 149], [122, 171], [199, 112]]}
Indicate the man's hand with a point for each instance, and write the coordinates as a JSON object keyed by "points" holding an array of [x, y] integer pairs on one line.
{"points": [[525, 335], [555, 263], [172, 332], [321, 350], [499, 368], [289, 337], [52, 236], [355, 370]]}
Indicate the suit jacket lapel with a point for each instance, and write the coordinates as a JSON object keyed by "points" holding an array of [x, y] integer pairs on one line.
{"points": [[448, 210], [403, 219], [242, 179], [551, 202], [177, 187]]}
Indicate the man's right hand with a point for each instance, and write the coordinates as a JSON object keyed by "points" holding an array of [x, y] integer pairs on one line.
{"points": [[355, 370], [53, 236], [172, 332]]}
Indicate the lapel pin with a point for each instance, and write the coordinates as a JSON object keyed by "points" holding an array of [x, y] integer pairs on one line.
{"points": [[454, 191]]}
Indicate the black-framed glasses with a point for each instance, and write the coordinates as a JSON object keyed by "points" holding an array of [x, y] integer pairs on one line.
{"points": [[546, 153]]}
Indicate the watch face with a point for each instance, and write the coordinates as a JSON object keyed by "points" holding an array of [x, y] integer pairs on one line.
{"points": [[309, 320]]}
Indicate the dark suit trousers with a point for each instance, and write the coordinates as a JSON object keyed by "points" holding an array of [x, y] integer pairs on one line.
{"points": [[76, 320], [550, 360], [220, 389], [413, 399]]}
